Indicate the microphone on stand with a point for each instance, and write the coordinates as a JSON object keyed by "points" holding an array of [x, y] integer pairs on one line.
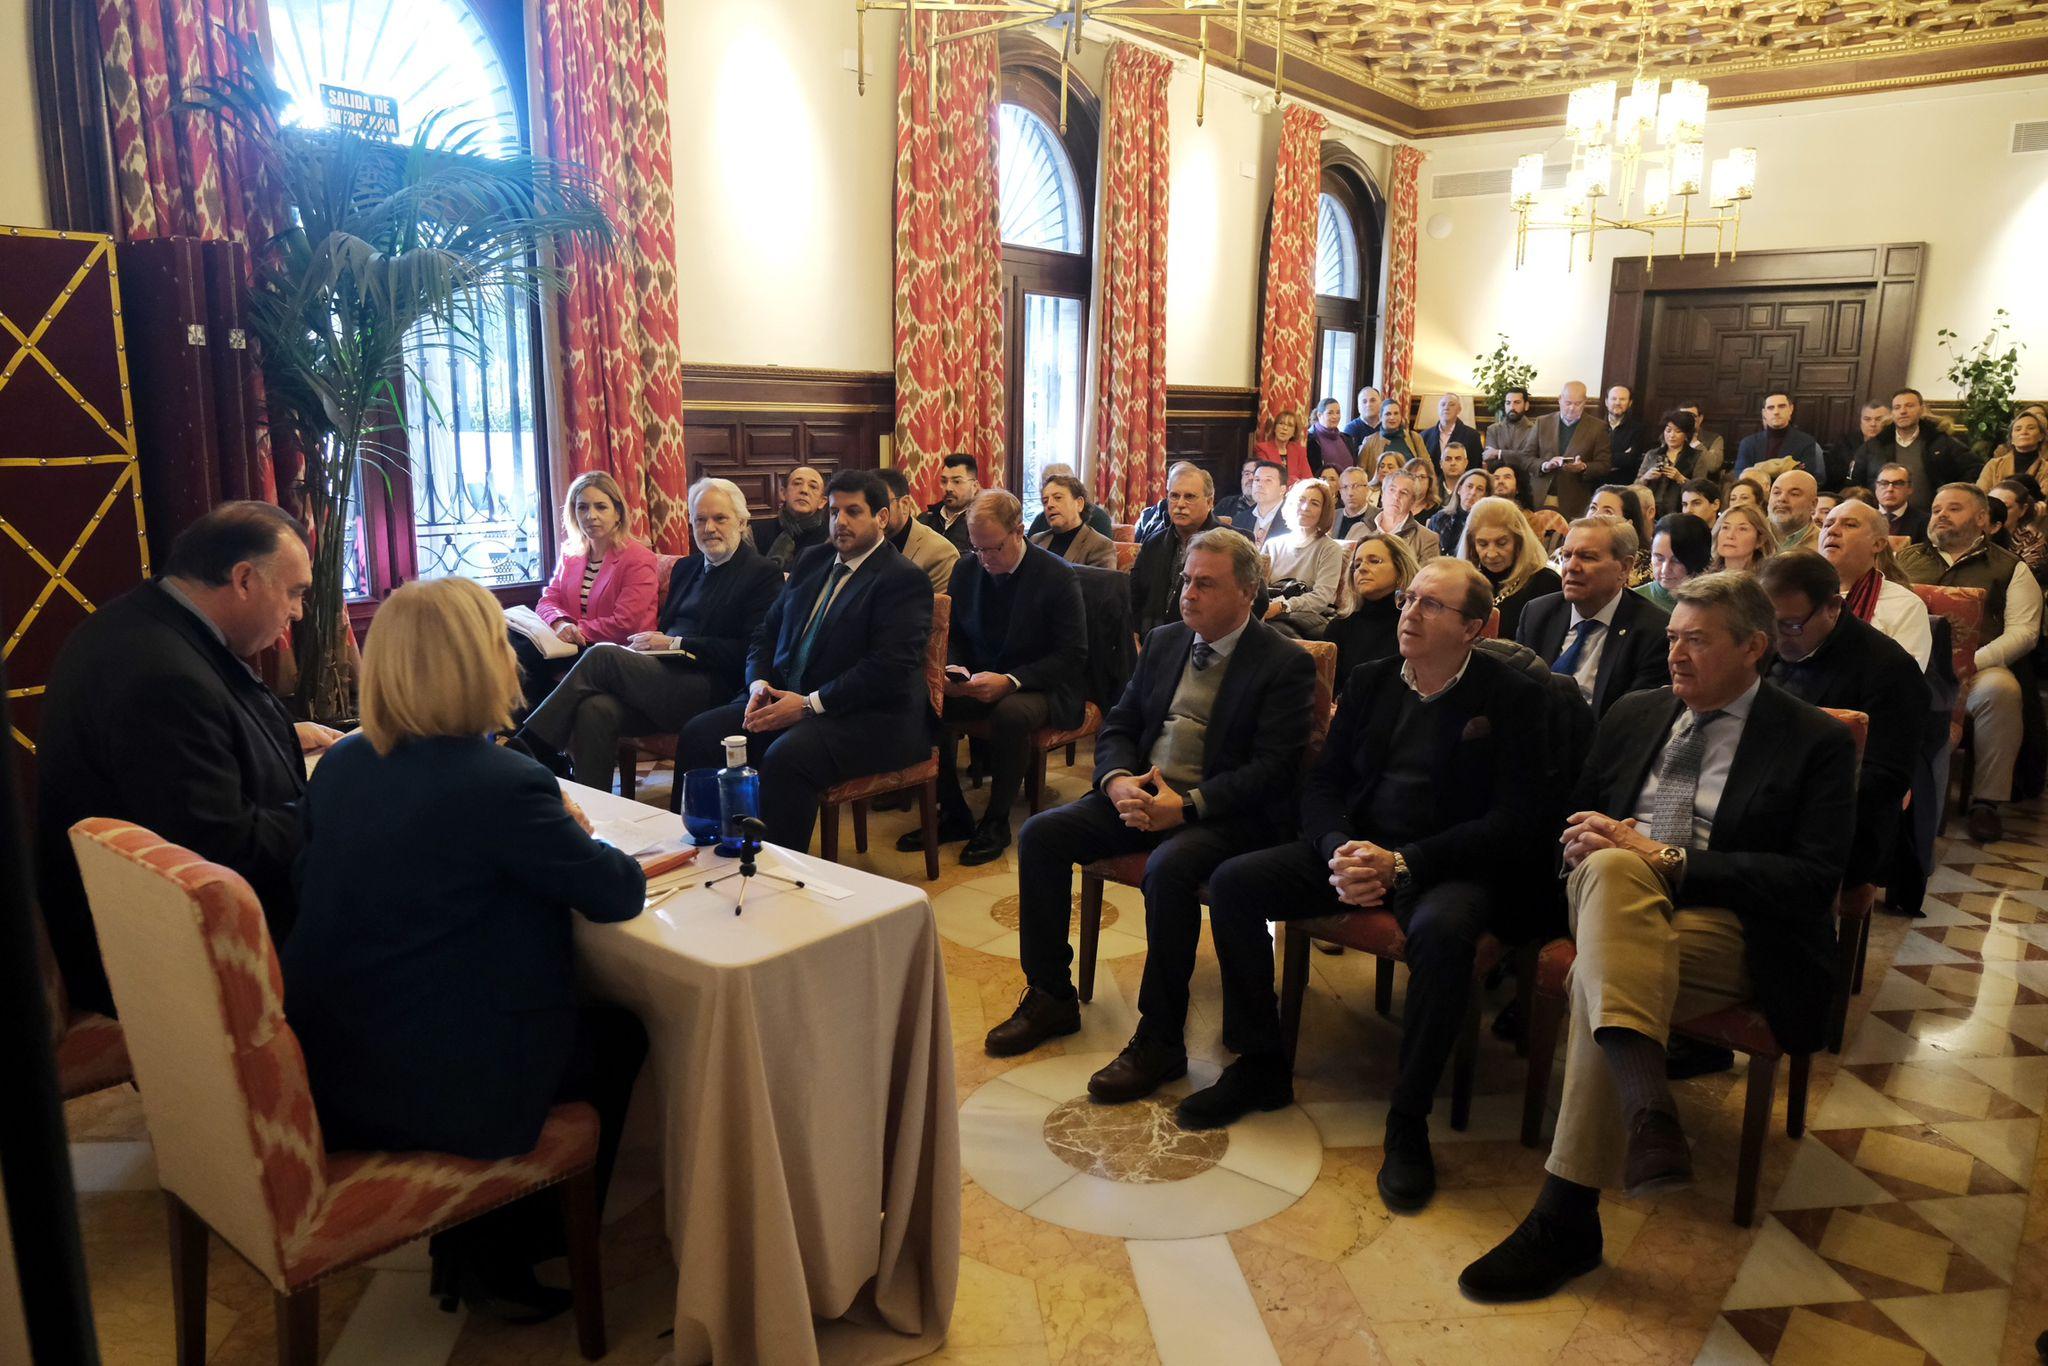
{"points": [[752, 831]]}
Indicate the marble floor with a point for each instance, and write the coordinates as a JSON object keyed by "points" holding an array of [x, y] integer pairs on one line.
{"points": [[1909, 1225]]}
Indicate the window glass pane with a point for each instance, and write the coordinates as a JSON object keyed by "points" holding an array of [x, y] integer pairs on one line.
{"points": [[1041, 199], [1052, 389], [1340, 357], [1336, 251], [432, 56]]}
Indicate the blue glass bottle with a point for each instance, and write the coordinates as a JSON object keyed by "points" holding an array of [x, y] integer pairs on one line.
{"points": [[739, 793]]}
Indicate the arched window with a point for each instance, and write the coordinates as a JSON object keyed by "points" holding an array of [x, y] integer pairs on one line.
{"points": [[1048, 182], [1347, 278], [468, 492]]}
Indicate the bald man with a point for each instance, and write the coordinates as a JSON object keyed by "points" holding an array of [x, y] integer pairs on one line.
{"points": [[1570, 457], [1793, 495], [799, 523]]}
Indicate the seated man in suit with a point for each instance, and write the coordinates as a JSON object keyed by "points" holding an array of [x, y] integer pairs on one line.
{"points": [[1793, 495], [1016, 657], [1852, 540], [1094, 514], [1569, 456], [1155, 576], [1779, 439], [959, 481], [799, 524], [1070, 531], [835, 679], [1715, 820], [1450, 429], [915, 541], [1426, 803], [152, 716], [1608, 639], [716, 600], [1194, 763], [1898, 500], [1260, 517]]}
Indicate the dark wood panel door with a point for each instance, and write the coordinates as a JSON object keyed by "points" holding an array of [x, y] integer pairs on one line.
{"points": [[1727, 350]]}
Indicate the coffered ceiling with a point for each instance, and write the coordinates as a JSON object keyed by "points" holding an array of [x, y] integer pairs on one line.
{"points": [[1454, 67]]}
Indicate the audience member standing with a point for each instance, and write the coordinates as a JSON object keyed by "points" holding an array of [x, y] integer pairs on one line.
{"points": [[1328, 447], [1570, 456], [1282, 442], [1931, 456], [1608, 640], [1779, 439], [1626, 437], [1513, 433], [1875, 416], [1366, 425], [1393, 435], [1450, 429]]}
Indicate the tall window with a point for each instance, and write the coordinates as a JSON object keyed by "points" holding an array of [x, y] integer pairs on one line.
{"points": [[1347, 271], [468, 492], [1047, 184]]}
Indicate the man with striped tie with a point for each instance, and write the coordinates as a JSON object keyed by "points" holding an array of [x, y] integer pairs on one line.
{"points": [[1714, 825]]}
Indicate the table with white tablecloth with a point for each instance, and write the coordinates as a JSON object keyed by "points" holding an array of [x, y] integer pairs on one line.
{"points": [[803, 1055]]}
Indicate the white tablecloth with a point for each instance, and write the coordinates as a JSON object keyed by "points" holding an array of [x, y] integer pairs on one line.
{"points": [[804, 1058]]}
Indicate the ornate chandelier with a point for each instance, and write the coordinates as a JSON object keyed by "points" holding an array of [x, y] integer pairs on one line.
{"points": [[1067, 17], [1646, 151]]}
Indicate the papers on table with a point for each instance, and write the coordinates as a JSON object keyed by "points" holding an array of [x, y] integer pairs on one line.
{"points": [[628, 837]]}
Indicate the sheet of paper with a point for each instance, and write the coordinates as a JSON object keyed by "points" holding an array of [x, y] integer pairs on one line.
{"points": [[628, 837]]}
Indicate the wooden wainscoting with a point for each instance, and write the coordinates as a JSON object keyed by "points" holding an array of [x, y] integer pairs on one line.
{"points": [[1212, 426], [754, 423]]}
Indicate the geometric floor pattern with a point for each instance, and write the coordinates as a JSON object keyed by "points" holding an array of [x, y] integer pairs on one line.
{"points": [[1909, 1225]]}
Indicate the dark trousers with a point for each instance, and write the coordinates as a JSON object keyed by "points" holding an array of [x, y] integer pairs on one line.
{"points": [[798, 764], [614, 691], [537, 673], [1054, 841], [611, 1045], [1443, 924], [1010, 723]]}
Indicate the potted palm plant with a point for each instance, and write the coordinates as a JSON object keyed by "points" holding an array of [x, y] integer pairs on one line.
{"points": [[382, 244]]}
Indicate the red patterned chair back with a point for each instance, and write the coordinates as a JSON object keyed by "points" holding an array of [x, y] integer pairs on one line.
{"points": [[1324, 653], [1123, 533], [1963, 610], [664, 573], [1127, 555], [202, 1000], [1858, 723], [935, 651]]}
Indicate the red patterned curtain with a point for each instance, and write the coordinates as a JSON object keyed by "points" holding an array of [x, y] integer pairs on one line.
{"points": [[1400, 334], [949, 251], [1130, 416], [604, 77], [182, 174], [1287, 332]]}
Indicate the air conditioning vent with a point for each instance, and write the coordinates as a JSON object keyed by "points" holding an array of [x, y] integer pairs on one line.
{"points": [[2026, 137], [1475, 184]]}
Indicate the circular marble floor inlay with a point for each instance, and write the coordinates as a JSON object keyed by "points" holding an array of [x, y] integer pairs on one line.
{"points": [[1140, 1143], [1007, 912]]}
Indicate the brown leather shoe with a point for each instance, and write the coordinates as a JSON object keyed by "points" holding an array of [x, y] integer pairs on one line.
{"points": [[1142, 1068], [1039, 1016], [1986, 827], [1658, 1156]]}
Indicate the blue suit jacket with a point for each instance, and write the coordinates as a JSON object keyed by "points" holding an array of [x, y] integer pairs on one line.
{"points": [[869, 657], [431, 977]]}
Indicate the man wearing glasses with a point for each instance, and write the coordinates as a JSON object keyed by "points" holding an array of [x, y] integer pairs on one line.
{"points": [[1902, 517], [1155, 577], [1427, 802]]}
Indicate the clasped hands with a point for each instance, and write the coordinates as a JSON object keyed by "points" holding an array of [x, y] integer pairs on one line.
{"points": [[1362, 873], [1588, 832], [981, 687], [1146, 801], [572, 633], [772, 709], [650, 640]]}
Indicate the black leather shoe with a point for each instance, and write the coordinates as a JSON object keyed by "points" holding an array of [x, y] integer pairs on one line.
{"points": [[1407, 1172], [1658, 1157], [1534, 1262], [1685, 1058], [1142, 1068], [990, 839], [1039, 1016], [952, 827], [1246, 1085]]}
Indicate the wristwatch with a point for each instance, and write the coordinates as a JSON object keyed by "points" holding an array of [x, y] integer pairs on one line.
{"points": [[1402, 877], [1670, 865]]}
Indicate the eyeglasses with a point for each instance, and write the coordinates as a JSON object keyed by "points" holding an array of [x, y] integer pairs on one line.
{"points": [[1798, 628], [1894, 483], [1428, 607]]}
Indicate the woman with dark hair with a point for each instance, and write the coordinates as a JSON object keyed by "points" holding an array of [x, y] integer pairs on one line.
{"points": [[1680, 547], [1620, 501], [1449, 522], [1281, 441], [2024, 512], [1671, 462]]}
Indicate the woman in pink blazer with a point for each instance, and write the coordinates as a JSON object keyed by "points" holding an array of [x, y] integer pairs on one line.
{"points": [[604, 588]]}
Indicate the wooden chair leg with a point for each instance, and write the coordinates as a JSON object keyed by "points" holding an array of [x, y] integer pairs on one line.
{"points": [[1293, 984], [1070, 756], [1756, 1123], [860, 827], [1091, 931], [1546, 1019], [828, 832], [1796, 1078], [1464, 1063], [1034, 782], [928, 826], [629, 771], [586, 1270], [298, 1327], [1862, 952], [1383, 987], [188, 1281], [1525, 991]]}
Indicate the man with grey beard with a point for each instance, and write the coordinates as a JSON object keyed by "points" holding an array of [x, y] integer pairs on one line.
{"points": [[658, 680]]}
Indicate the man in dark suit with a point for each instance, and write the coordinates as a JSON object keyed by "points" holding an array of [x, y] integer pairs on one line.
{"points": [[835, 678], [1155, 577], [1450, 429], [1569, 456], [800, 522], [1715, 820], [959, 481], [1627, 440], [1609, 640], [1193, 765], [1016, 657], [1426, 803], [152, 716], [1779, 438], [1232, 505], [658, 680], [1898, 500]]}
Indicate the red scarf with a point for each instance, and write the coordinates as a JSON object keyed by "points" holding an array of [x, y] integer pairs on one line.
{"points": [[1862, 599]]}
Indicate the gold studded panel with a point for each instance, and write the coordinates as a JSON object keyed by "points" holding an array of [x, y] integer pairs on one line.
{"points": [[71, 530]]}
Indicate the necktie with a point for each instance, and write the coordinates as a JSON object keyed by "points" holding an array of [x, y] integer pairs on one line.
{"points": [[1678, 782], [1204, 654], [802, 659], [1568, 658]]}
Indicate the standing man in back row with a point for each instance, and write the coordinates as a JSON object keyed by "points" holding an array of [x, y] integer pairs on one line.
{"points": [[1570, 456], [1931, 457]]}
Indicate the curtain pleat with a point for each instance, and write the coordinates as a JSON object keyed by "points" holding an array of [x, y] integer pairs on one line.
{"points": [[1400, 334], [1287, 331]]}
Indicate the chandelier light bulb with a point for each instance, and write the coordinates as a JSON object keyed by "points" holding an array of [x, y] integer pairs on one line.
{"points": [[1527, 181], [1589, 112], [1744, 162], [1688, 167], [1599, 171], [1682, 114], [1656, 191]]}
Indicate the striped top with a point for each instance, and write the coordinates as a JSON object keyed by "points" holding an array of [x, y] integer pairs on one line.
{"points": [[591, 568]]}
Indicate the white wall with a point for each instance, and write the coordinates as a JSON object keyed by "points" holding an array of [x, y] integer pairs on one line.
{"points": [[22, 202], [1926, 166]]}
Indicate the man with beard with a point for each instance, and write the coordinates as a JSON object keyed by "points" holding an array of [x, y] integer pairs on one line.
{"points": [[1793, 495], [1512, 433], [959, 482]]}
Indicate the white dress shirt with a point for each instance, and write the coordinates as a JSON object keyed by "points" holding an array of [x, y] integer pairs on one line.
{"points": [[824, 604], [1587, 675], [1723, 735], [1901, 615]]}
